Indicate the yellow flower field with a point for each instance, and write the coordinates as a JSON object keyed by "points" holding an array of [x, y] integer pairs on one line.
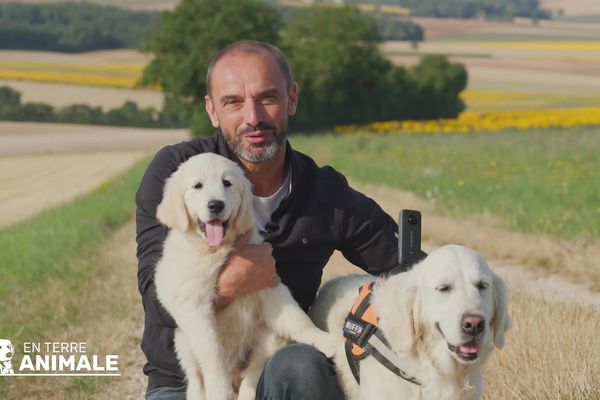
{"points": [[114, 75], [486, 121], [479, 100]]}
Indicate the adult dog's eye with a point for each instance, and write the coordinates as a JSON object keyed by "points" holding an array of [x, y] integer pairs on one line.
{"points": [[198, 185], [481, 285], [444, 288], [226, 183]]}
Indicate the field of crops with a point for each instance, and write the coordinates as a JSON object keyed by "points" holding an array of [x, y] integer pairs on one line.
{"points": [[111, 75]]}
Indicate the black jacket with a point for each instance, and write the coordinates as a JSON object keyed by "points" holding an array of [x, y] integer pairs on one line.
{"points": [[320, 215]]}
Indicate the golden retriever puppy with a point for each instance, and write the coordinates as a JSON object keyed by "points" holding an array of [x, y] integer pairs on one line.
{"points": [[441, 320], [207, 203]]}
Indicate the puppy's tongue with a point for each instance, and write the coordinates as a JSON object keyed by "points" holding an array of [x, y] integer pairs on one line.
{"points": [[214, 232], [470, 347]]}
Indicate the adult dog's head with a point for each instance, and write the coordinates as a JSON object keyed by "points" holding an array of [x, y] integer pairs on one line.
{"points": [[452, 307], [209, 196]]}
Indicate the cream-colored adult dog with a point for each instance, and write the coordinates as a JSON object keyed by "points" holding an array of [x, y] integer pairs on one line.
{"points": [[442, 319], [207, 203]]}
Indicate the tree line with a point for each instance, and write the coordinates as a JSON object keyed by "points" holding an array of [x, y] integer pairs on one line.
{"points": [[494, 9], [72, 27], [333, 52], [129, 114]]}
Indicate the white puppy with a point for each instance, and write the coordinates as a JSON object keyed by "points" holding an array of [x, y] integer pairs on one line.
{"points": [[6, 354], [441, 319], [207, 204]]}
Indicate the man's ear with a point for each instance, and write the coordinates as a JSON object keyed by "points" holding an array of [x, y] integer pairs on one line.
{"points": [[292, 99], [209, 106]]}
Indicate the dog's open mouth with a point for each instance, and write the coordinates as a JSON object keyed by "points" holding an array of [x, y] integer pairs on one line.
{"points": [[467, 351], [214, 231]]}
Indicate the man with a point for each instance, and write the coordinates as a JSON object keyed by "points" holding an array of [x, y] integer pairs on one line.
{"points": [[305, 213]]}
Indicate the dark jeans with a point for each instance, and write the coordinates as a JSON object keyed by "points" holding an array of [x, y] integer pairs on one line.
{"points": [[296, 372]]}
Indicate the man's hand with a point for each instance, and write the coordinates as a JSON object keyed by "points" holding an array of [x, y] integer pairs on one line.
{"points": [[250, 267]]}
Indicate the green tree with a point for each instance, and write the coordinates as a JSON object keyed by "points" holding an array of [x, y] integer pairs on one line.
{"points": [[189, 37], [335, 59], [438, 86]]}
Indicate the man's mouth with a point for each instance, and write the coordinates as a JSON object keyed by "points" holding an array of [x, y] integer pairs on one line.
{"points": [[214, 231], [467, 351]]}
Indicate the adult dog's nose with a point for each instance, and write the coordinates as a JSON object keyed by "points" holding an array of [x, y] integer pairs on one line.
{"points": [[472, 324], [216, 206]]}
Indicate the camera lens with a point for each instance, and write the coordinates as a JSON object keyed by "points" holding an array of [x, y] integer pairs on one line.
{"points": [[412, 219]]}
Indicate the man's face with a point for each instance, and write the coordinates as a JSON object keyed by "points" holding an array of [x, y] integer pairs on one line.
{"points": [[250, 103]]}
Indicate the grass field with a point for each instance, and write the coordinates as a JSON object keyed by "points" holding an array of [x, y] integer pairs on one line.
{"points": [[52, 245], [540, 181], [49, 270]]}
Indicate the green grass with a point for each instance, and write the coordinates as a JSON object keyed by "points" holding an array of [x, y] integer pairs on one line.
{"points": [[48, 263], [56, 245], [542, 181]]}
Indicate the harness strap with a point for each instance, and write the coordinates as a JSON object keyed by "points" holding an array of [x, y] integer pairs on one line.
{"points": [[363, 338], [377, 347]]}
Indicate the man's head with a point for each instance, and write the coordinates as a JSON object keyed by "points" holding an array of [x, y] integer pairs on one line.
{"points": [[251, 94]]}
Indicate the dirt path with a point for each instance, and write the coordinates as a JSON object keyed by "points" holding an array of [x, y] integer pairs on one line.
{"points": [[125, 333]]}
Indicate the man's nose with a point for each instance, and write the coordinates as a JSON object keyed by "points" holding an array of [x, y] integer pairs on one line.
{"points": [[253, 113]]}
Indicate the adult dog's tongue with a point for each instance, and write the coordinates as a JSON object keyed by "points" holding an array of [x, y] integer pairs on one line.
{"points": [[471, 347], [214, 232]]}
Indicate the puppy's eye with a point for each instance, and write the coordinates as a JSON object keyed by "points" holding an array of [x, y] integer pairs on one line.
{"points": [[226, 183], [198, 185], [481, 285], [444, 288]]}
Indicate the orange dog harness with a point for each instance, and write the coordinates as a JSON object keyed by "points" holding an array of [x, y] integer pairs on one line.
{"points": [[363, 338]]}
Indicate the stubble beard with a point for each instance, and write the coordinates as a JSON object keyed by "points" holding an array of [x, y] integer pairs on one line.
{"points": [[256, 153]]}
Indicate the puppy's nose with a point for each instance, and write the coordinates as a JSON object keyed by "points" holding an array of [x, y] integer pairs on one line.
{"points": [[216, 206], [472, 324]]}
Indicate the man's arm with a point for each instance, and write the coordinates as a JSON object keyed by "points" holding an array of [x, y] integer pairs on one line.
{"points": [[367, 233]]}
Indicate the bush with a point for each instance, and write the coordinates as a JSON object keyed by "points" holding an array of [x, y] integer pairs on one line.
{"points": [[129, 114]]}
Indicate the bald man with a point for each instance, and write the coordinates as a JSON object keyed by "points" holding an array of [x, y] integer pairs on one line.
{"points": [[304, 212]]}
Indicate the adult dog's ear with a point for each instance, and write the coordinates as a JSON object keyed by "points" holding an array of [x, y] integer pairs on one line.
{"points": [[501, 322], [399, 312], [244, 219], [171, 210]]}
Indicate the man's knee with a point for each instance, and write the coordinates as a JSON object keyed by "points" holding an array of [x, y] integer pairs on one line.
{"points": [[166, 393], [299, 371]]}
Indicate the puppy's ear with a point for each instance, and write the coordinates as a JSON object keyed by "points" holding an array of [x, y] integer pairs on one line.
{"points": [[402, 318], [171, 211], [501, 322], [244, 218]]}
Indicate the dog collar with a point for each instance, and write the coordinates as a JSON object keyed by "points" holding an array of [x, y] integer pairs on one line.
{"points": [[364, 338]]}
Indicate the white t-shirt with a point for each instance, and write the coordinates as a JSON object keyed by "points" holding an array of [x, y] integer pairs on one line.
{"points": [[265, 206]]}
